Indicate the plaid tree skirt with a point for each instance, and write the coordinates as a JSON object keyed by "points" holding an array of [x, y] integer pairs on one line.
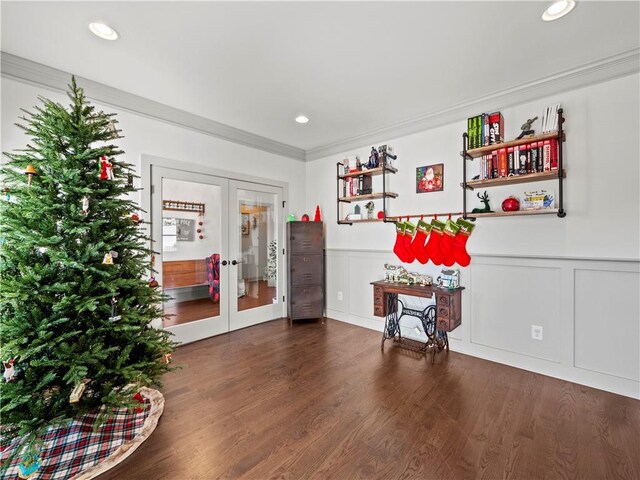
{"points": [[80, 453]]}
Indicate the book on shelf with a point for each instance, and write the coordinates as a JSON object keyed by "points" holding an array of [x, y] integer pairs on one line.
{"points": [[479, 130], [550, 118], [510, 163], [496, 128]]}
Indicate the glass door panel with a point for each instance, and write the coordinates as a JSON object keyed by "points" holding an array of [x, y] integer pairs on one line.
{"points": [[188, 221], [256, 253]]}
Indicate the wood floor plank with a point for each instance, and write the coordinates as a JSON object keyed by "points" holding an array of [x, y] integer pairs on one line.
{"points": [[322, 401]]}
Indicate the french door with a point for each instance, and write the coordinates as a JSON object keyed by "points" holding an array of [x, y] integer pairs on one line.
{"points": [[219, 259]]}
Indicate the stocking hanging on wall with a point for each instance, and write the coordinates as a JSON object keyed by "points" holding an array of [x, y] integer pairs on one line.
{"points": [[409, 230], [446, 243], [460, 254], [419, 241], [399, 248], [433, 244]]}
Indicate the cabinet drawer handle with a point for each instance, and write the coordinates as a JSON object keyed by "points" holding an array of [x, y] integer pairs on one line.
{"points": [[305, 259]]}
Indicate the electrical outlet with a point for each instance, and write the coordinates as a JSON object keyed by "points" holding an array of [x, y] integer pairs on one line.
{"points": [[339, 296], [536, 332]]}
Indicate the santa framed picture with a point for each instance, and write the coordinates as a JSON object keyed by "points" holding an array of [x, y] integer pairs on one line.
{"points": [[430, 178]]}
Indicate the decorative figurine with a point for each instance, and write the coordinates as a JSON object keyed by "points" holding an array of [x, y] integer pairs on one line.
{"points": [[106, 169], [9, 373], [358, 164], [373, 158], [450, 279], [511, 204], [485, 200], [305, 218], [114, 317], [109, 257], [30, 171], [291, 217], [85, 205], [369, 206], [526, 128], [356, 210], [317, 217]]}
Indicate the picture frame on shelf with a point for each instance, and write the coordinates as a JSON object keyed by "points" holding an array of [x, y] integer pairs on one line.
{"points": [[430, 178], [245, 224]]}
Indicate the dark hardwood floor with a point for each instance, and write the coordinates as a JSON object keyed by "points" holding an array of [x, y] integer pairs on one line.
{"points": [[258, 294], [322, 401]]}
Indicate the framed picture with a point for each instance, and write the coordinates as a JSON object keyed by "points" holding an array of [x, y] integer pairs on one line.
{"points": [[245, 225], [430, 178]]}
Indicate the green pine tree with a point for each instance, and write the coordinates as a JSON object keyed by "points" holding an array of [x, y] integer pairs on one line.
{"points": [[55, 291]]}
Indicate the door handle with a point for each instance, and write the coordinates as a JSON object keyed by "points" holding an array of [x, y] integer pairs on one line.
{"points": [[224, 263], [235, 262]]}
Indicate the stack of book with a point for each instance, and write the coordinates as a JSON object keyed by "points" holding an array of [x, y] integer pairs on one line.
{"points": [[532, 157], [550, 118], [485, 129]]}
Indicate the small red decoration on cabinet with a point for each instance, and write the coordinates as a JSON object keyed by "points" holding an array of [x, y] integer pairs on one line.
{"points": [[511, 204], [317, 217], [381, 214], [305, 218]]}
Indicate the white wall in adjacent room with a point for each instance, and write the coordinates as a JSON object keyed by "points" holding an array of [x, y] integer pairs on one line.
{"points": [[574, 276]]}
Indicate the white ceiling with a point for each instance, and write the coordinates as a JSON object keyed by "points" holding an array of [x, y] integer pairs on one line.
{"points": [[350, 67]]}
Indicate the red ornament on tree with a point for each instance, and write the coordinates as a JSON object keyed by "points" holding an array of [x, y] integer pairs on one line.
{"points": [[317, 217], [305, 218]]}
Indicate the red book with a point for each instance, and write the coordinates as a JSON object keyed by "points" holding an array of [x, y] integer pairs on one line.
{"points": [[502, 162], [554, 154], [494, 164], [546, 155], [496, 128]]}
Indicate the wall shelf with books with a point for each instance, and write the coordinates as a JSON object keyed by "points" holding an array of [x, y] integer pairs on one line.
{"points": [[354, 184], [531, 158]]}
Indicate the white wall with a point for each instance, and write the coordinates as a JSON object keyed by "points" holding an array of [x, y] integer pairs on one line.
{"points": [[211, 230], [577, 276], [144, 135]]}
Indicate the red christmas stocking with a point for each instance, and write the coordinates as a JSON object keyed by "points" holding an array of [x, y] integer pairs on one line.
{"points": [[410, 229], [399, 248], [419, 241], [460, 254], [446, 244], [432, 247]]}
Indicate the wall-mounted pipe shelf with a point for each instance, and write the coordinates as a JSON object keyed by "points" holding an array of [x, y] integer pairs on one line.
{"points": [[559, 173], [369, 196]]}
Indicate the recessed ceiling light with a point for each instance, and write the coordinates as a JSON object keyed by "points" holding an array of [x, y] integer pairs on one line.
{"points": [[301, 119], [103, 31], [558, 10]]}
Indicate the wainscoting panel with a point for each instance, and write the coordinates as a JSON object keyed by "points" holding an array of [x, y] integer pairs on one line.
{"points": [[607, 322], [499, 320], [588, 309]]}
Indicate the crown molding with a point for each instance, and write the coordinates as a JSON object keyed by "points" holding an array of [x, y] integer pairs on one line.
{"points": [[609, 68], [623, 64], [28, 71]]}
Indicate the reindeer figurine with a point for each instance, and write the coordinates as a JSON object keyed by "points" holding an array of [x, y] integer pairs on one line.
{"points": [[485, 200]]}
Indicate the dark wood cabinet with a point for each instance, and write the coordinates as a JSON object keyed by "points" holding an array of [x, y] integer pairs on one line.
{"points": [[305, 258]]}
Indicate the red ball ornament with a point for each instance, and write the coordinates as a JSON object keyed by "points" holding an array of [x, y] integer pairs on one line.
{"points": [[381, 214], [511, 204], [305, 218], [199, 230], [200, 237], [200, 223]]}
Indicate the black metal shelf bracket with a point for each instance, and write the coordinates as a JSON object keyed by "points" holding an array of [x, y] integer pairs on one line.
{"points": [[561, 211]]}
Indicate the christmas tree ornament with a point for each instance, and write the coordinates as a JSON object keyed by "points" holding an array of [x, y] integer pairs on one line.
{"points": [[135, 218], [109, 257], [85, 205], [130, 181], [511, 204], [78, 390], [420, 240], [460, 254], [114, 314], [305, 218], [199, 230], [153, 283], [7, 194], [409, 231], [29, 465], [168, 358], [201, 237], [30, 172], [140, 399], [317, 217], [433, 244], [106, 169], [446, 243], [9, 373], [291, 217]]}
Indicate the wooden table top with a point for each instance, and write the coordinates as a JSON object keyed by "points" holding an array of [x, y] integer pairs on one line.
{"points": [[416, 290]]}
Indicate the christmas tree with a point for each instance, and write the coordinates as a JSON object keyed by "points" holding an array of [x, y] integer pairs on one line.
{"points": [[75, 304]]}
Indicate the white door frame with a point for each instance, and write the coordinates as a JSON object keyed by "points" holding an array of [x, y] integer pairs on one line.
{"points": [[148, 162]]}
